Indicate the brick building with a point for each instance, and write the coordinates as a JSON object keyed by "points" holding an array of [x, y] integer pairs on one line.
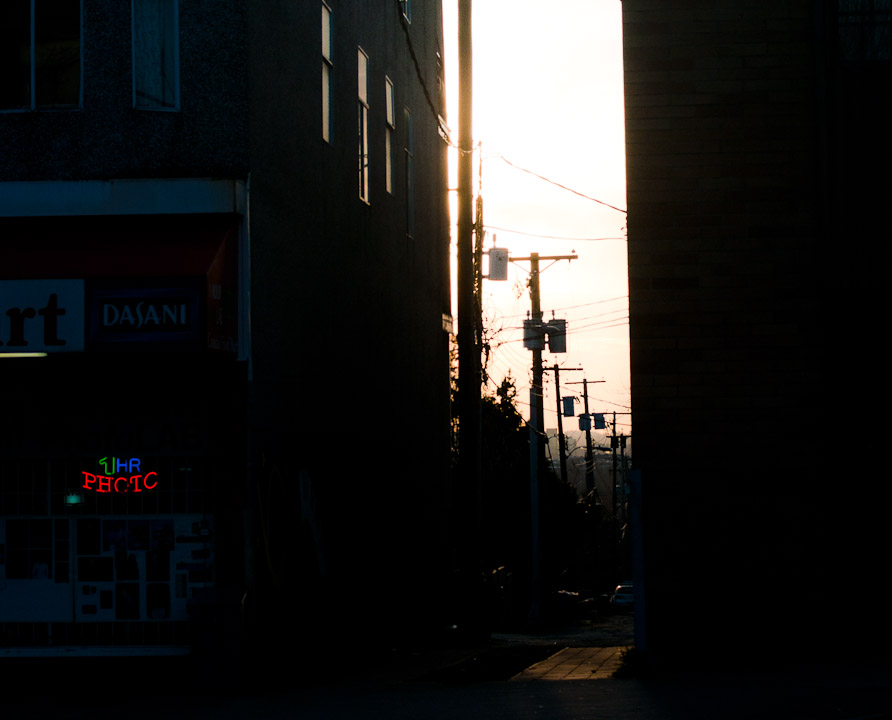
{"points": [[755, 132], [234, 285]]}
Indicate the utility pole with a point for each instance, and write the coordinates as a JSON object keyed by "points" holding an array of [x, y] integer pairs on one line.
{"points": [[562, 440], [537, 455], [589, 454], [537, 433], [589, 450], [613, 445], [537, 402], [478, 275], [562, 443], [468, 485]]}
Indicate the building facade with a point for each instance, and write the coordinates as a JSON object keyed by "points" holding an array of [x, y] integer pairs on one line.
{"points": [[223, 317], [754, 131]]}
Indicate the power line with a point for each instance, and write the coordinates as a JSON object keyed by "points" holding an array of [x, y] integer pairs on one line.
{"points": [[574, 307], [552, 237], [563, 187], [592, 327], [617, 322]]}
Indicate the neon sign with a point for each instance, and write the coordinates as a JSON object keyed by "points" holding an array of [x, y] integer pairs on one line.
{"points": [[122, 484]]}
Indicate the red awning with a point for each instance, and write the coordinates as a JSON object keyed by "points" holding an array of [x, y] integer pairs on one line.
{"points": [[119, 246]]}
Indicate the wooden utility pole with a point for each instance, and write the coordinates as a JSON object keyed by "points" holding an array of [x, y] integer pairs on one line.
{"points": [[537, 422], [562, 443], [469, 375], [589, 448], [589, 455], [537, 436], [562, 440]]}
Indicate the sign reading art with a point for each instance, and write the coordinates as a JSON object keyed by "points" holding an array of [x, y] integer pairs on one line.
{"points": [[41, 316], [113, 481]]}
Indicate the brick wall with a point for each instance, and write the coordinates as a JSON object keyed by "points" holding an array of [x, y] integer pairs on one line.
{"points": [[728, 124]]}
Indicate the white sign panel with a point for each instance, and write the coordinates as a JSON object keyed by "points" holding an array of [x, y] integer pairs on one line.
{"points": [[41, 316]]}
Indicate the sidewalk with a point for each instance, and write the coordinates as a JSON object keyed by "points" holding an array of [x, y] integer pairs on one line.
{"points": [[539, 677], [827, 692], [582, 663]]}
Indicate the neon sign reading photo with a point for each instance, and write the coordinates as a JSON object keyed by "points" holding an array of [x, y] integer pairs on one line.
{"points": [[122, 484]]}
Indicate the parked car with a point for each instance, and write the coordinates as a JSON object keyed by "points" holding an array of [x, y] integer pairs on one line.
{"points": [[622, 597]]}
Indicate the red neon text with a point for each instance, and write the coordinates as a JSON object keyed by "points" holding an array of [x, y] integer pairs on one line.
{"points": [[107, 483]]}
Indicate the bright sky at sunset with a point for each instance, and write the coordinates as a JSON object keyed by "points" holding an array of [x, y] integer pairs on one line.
{"points": [[548, 98]]}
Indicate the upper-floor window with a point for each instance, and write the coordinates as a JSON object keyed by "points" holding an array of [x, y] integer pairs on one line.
{"points": [[410, 171], [40, 54], [390, 121], [363, 105], [326, 73], [865, 30], [156, 71]]}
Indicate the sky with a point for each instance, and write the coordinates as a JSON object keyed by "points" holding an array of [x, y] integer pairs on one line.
{"points": [[548, 100]]}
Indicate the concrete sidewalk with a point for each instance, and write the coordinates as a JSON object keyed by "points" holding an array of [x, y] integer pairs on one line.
{"points": [[565, 679], [825, 692], [576, 663]]}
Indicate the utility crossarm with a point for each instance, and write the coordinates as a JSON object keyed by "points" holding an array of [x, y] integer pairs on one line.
{"points": [[546, 257]]}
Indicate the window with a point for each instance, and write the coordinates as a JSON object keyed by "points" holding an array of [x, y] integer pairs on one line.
{"points": [[156, 73], [40, 54], [29, 547], [410, 174], [363, 105], [865, 30], [326, 73], [388, 136]]}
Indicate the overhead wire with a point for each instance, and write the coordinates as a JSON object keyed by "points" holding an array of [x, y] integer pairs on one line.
{"points": [[571, 307], [445, 132], [557, 184], [551, 237]]}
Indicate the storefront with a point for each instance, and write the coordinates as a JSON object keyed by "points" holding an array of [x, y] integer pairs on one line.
{"points": [[122, 431]]}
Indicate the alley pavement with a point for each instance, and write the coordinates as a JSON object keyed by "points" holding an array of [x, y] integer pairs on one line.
{"points": [[573, 675]]}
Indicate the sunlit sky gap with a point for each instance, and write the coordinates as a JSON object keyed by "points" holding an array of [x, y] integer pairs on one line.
{"points": [[548, 113]]}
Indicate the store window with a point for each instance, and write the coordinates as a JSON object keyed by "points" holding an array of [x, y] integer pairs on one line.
{"points": [[865, 31], [29, 549], [156, 73], [40, 54]]}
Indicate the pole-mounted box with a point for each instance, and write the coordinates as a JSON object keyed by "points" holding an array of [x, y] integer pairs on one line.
{"points": [[498, 264]]}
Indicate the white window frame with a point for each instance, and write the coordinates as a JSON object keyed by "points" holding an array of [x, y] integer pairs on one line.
{"points": [[362, 64], [139, 102], [32, 69], [390, 129], [326, 73]]}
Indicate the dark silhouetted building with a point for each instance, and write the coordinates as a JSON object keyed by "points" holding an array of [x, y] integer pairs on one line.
{"points": [[224, 252], [757, 147]]}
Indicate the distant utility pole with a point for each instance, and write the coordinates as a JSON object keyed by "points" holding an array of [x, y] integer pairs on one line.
{"points": [[469, 374], [562, 441], [589, 454], [537, 424], [562, 444]]}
